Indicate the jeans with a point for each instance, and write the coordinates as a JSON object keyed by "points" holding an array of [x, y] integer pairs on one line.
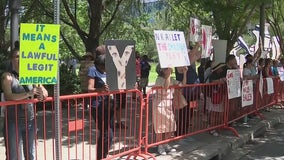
{"points": [[105, 120], [17, 137]]}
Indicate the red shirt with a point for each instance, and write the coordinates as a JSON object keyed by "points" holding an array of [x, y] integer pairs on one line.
{"points": [[138, 67]]}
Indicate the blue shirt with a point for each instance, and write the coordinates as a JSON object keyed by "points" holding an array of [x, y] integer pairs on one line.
{"points": [[99, 77]]}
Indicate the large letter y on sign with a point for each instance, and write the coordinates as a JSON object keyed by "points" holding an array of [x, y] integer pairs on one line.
{"points": [[120, 63]]}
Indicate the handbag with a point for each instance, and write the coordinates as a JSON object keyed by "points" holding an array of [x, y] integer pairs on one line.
{"points": [[179, 101]]}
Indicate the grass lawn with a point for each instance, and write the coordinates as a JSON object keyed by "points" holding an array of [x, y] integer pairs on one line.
{"points": [[153, 74]]}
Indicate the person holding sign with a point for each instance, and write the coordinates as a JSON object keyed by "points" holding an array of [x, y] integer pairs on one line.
{"points": [[163, 114], [19, 127], [102, 111], [191, 94]]}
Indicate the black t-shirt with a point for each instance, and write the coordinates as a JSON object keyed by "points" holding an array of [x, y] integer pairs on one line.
{"points": [[218, 74], [191, 76]]}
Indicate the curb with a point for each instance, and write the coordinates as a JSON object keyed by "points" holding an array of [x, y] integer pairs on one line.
{"points": [[219, 152]]}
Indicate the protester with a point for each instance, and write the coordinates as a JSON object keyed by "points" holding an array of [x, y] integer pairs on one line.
{"points": [[260, 66], [249, 70], [145, 71], [19, 126], [208, 71], [88, 61], [102, 110], [266, 71], [163, 114], [274, 67], [138, 72], [191, 94]]}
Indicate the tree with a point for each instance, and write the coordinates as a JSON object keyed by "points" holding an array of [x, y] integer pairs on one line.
{"points": [[4, 44], [275, 17], [228, 17]]}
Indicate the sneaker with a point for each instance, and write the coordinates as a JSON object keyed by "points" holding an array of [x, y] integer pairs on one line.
{"points": [[161, 150], [169, 148]]}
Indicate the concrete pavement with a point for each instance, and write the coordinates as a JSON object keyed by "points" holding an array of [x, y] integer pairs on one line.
{"points": [[208, 147]]}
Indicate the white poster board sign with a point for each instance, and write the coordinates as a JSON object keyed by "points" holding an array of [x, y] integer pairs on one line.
{"points": [[233, 83], [247, 93], [171, 48], [261, 85], [195, 30], [220, 49], [206, 41], [281, 73], [270, 86]]}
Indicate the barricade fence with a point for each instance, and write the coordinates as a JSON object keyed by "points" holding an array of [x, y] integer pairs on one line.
{"points": [[118, 124]]}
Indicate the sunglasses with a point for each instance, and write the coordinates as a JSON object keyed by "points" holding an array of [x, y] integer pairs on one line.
{"points": [[17, 56]]}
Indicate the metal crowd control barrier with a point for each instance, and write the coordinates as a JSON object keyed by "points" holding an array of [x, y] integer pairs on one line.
{"points": [[89, 130], [166, 122]]}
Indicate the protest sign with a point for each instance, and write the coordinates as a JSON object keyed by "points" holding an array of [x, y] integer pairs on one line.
{"points": [[39, 45], [171, 48], [220, 49], [195, 30], [120, 64], [270, 86], [206, 41], [247, 93], [281, 73], [233, 83]]}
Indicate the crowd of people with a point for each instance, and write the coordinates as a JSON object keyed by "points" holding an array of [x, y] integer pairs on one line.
{"points": [[165, 124]]}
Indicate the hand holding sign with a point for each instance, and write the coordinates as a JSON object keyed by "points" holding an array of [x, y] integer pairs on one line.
{"points": [[195, 53]]}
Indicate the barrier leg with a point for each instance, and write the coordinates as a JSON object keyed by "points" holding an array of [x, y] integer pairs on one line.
{"points": [[235, 132]]}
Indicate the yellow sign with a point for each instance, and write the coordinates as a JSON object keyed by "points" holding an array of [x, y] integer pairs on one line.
{"points": [[39, 46]]}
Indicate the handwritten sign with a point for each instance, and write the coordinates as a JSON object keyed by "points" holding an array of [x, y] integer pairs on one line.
{"points": [[247, 93], [206, 41], [233, 83], [171, 48], [195, 30], [39, 45], [281, 73], [270, 86], [120, 64]]}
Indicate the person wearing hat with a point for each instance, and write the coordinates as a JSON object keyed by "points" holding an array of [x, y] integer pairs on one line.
{"points": [[219, 70], [88, 61]]}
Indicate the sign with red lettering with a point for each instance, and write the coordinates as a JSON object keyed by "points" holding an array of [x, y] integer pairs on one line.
{"points": [[171, 48], [206, 41], [195, 30], [233, 83], [247, 93]]}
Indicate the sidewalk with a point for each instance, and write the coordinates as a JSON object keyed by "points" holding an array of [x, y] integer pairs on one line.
{"points": [[206, 147]]}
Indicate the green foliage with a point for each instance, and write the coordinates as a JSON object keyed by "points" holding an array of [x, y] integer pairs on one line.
{"points": [[69, 82]]}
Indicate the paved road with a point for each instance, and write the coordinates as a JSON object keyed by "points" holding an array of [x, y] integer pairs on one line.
{"points": [[269, 146]]}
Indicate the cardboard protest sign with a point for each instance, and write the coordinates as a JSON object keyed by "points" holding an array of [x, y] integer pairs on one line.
{"points": [[281, 73], [270, 86], [171, 48], [220, 49], [120, 64], [233, 83], [39, 45], [206, 41], [195, 30], [247, 93]]}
